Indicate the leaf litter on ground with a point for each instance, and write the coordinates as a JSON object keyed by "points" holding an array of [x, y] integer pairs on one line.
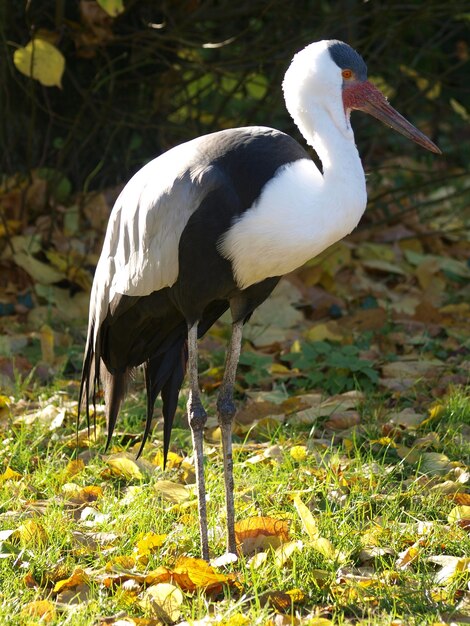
{"points": [[351, 445]]}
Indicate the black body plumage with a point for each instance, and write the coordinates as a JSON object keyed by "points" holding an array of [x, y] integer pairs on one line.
{"points": [[152, 329]]}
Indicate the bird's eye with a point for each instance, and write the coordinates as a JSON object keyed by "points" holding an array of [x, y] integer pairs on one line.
{"points": [[347, 74]]}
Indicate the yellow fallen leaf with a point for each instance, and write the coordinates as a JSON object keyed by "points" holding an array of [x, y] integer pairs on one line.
{"points": [[47, 344], [191, 574], [123, 467], [385, 441], [236, 620], [308, 521], [322, 331], [318, 543], [9, 474], [325, 547], [121, 562], [74, 467], [163, 601], [408, 556], [172, 459], [458, 513], [282, 601], [31, 532], [173, 492], [42, 609], [285, 551], [85, 438], [148, 543], [42, 61], [4, 402], [77, 578]]}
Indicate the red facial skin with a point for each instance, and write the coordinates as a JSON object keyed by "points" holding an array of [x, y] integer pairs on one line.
{"points": [[363, 96]]}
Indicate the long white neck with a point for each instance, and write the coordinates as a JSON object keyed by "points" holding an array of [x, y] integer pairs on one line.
{"points": [[302, 211]]}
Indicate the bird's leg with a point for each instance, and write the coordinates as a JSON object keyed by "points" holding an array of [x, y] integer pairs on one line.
{"points": [[226, 412], [197, 418]]}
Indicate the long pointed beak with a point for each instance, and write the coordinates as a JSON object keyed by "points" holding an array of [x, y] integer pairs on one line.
{"points": [[365, 97]]}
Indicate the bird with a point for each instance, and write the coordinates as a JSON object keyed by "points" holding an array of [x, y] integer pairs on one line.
{"points": [[212, 225]]}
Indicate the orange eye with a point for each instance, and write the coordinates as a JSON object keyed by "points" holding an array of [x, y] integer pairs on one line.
{"points": [[347, 74]]}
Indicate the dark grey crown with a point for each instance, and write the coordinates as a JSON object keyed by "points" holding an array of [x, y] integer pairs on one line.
{"points": [[346, 57]]}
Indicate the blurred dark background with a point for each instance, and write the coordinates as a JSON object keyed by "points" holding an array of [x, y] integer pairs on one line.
{"points": [[160, 73]]}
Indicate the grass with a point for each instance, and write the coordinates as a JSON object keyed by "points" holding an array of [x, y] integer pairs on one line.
{"points": [[371, 504]]}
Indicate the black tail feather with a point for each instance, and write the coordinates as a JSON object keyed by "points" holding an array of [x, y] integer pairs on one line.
{"points": [[115, 387], [164, 374], [84, 391], [170, 393]]}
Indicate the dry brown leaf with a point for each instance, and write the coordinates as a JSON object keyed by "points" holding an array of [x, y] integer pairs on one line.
{"points": [[407, 419], [258, 533], [461, 498], [341, 420]]}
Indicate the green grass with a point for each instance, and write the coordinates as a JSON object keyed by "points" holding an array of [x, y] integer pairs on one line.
{"points": [[359, 492]]}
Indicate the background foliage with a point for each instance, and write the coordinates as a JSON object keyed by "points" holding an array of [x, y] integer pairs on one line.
{"points": [[163, 72]]}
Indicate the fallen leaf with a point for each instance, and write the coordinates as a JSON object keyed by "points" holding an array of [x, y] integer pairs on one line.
{"points": [[459, 513], [78, 577], [31, 532], [124, 467], [10, 474], [171, 491], [112, 7], [163, 600], [284, 552], [149, 543], [450, 567], [258, 533], [408, 556], [308, 521], [191, 574], [43, 609], [318, 543]]}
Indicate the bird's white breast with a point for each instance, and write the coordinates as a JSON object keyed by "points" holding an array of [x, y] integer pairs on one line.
{"points": [[298, 215]]}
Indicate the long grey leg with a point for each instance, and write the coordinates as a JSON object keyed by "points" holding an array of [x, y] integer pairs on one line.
{"points": [[226, 412], [197, 418]]}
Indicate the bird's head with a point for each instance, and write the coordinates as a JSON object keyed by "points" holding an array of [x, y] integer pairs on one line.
{"points": [[332, 75]]}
